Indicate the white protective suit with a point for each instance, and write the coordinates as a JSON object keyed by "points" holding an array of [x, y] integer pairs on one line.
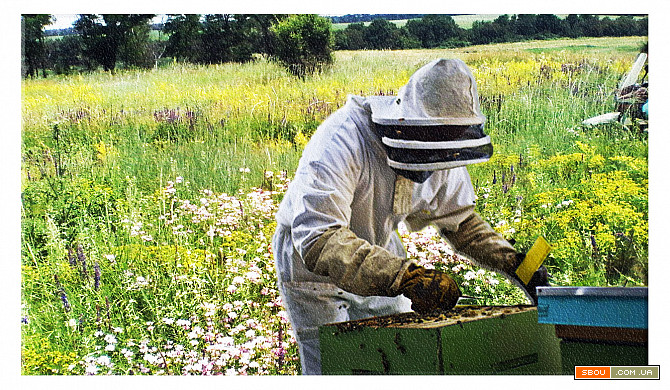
{"points": [[343, 179], [337, 252]]}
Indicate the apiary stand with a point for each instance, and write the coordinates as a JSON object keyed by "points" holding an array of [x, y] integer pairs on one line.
{"points": [[482, 340]]}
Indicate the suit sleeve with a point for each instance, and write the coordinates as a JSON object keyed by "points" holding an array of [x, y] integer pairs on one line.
{"points": [[320, 227]]}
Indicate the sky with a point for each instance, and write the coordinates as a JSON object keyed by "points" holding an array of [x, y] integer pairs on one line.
{"points": [[66, 21], [62, 21]]}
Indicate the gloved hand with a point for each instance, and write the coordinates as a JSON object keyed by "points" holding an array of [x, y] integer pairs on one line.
{"points": [[429, 289], [539, 278]]}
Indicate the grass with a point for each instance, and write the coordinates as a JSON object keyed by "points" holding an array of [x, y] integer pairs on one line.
{"points": [[162, 178]]}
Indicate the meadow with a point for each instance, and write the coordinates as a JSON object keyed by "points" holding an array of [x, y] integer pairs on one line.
{"points": [[148, 197]]}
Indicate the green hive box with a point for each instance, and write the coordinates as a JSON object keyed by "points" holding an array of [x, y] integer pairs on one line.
{"points": [[473, 340]]}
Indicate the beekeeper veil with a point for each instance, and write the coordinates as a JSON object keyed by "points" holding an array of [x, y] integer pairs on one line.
{"points": [[435, 121]]}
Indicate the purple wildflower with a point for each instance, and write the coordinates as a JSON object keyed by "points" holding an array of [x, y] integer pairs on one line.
{"points": [[82, 260], [594, 245], [72, 258], [96, 267], [279, 352], [63, 298]]}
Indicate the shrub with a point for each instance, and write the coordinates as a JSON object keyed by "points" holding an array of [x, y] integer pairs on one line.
{"points": [[303, 43]]}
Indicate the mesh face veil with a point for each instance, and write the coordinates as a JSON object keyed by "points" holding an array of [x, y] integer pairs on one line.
{"points": [[435, 121], [432, 148]]}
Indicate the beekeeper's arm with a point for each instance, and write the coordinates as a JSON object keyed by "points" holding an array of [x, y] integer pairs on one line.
{"points": [[476, 239], [454, 216], [469, 234], [326, 244]]}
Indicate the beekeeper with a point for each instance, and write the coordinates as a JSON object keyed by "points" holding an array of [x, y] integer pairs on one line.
{"points": [[374, 163]]}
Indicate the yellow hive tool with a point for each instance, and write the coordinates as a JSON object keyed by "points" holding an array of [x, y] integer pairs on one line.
{"points": [[533, 260]]}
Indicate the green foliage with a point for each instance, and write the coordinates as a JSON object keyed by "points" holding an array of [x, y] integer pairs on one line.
{"points": [[135, 50], [161, 178], [381, 34], [303, 43], [32, 43], [351, 38], [224, 39], [435, 30], [39, 357], [108, 36], [65, 54], [184, 42]]}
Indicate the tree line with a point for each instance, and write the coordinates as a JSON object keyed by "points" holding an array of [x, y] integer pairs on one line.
{"points": [[432, 31], [303, 42]]}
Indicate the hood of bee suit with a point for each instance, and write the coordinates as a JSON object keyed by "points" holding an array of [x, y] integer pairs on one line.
{"points": [[435, 122]]}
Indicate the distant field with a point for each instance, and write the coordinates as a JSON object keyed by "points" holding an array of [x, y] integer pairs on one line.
{"points": [[586, 47], [342, 26], [466, 21], [463, 21]]}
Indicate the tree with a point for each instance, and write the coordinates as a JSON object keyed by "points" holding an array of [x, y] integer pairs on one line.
{"points": [[434, 30], [524, 25], [549, 25], [136, 48], [65, 54], [590, 25], [380, 35], [262, 26], [184, 36], [351, 38], [303, 43], [104, 36], [489, 32], [572, 26], [625, 25], [225, 38], [504, 27], [32, 38], [405, 40]]}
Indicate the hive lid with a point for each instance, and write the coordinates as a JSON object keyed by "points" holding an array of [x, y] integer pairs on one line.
{"points": [[593, 291]]}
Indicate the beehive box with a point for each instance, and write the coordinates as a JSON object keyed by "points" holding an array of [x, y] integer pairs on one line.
{"points": [[620, 307], [477, 340], [597, 326]]}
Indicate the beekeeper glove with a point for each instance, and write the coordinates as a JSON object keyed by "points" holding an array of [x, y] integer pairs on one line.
{"points": [[429, 289], [355, 265], [539, 278]]}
